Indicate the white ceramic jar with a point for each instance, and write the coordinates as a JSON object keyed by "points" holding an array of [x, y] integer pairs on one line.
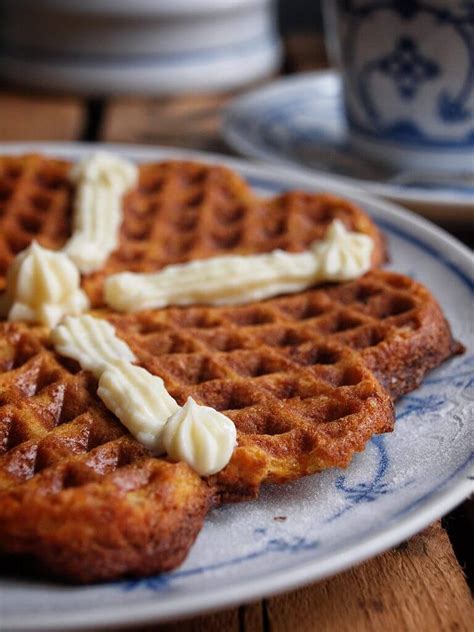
{"points": [[102, 47]]}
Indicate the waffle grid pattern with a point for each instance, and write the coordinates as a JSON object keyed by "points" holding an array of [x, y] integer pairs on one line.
{"points": [[76, 491], [189, 211], [179, 211], [35, 201], [283, 369], [49, 412]]}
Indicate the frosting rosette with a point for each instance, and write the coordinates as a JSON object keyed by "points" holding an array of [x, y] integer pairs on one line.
{"points": [[201, 436]]}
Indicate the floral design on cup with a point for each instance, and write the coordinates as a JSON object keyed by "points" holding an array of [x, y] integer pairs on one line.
{"points": [[408, 70], [408, 67]]}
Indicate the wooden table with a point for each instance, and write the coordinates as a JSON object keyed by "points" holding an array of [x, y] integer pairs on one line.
{"points": [[421, 585]]}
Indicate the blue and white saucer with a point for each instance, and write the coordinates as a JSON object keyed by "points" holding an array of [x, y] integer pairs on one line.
{"points": [[300, 122], [322, 524]]}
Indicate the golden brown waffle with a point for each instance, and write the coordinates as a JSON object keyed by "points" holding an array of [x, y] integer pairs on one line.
{"points": [[179, 211], [295, 373], [286, 372], [76, 491], [81, 496], [35, 203], [89, 502], [397, 326]]}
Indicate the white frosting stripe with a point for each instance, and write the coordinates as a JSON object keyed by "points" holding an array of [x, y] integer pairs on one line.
{"points": [[91, 342], [221, 280], [101, 180], [342, 255], [198, 435], [139, 399]]}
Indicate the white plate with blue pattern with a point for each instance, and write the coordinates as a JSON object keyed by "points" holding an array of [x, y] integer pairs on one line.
{"points": [[299, 122], [318, 526], [110, 47]]}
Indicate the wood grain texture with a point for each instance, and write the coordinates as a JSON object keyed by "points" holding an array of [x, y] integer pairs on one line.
{"points": [[247, 618], [252, 618], [32, 118], [418, 586], [191, 122], [227, 621]]}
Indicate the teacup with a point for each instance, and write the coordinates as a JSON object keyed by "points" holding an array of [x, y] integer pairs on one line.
{"points": [[408, 75]]}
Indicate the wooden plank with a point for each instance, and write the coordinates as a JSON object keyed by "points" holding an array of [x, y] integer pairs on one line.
{"points": [[185, 121], [251, 618], [247, 618], [227, 620], [24, 117], [418, 586]]}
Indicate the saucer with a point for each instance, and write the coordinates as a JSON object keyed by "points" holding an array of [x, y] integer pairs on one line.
{"points": [[300, 122]]}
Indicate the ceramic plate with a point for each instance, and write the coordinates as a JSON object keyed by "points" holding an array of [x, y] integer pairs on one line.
{"points": [[299, 122], [322, 524], [145, 46], [147, 7], [217, 68]]}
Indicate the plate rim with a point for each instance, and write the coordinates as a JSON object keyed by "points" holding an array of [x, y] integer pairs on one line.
{"points": [[117, 616], [440, 501], [149, 8], [248, 149]]}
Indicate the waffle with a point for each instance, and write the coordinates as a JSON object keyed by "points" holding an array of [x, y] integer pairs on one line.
{"points": [[293, 374], [179, 211], [77, 492], [307, 378], [296, 374]]}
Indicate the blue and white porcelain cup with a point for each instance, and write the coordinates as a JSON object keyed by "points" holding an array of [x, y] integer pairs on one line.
{"points": [[408, 75], [152, 47]]}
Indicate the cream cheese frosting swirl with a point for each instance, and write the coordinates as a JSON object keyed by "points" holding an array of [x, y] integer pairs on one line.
{"points": [[236, 279], [42, 287], [201, 436]]}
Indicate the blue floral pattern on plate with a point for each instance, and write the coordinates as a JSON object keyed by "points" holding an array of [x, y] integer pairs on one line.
{"points": [[269, 547]]}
